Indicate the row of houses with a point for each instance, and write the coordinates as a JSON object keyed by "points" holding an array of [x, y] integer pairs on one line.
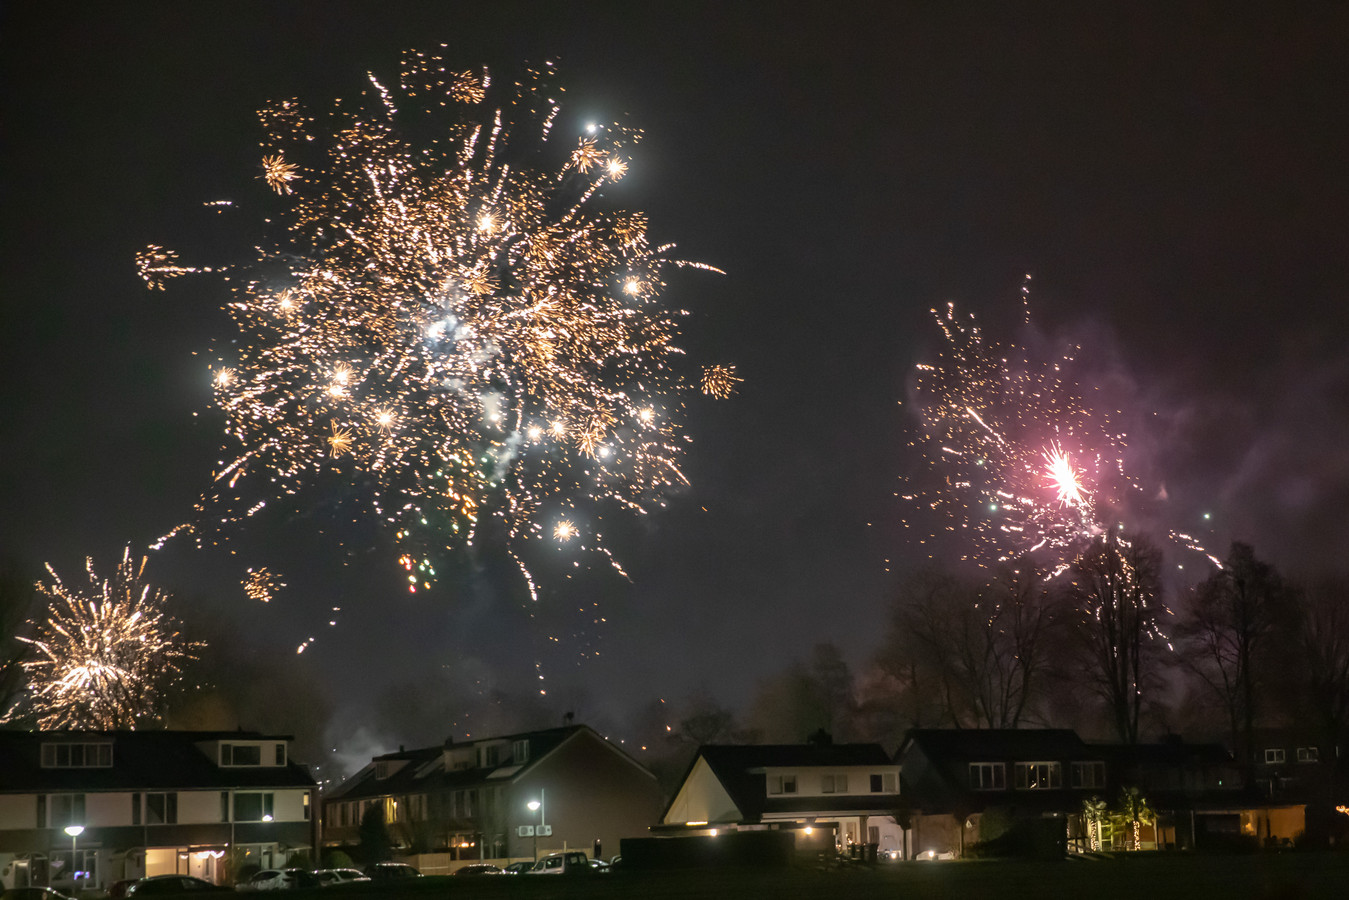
{"points": [[86, 809]]}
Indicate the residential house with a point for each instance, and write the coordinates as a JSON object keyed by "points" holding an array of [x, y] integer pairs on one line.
{"points": [[1198, 794], [972, 785], [955, 778], [1295, 766], [500, 798], [833, 796], [83, 809]]}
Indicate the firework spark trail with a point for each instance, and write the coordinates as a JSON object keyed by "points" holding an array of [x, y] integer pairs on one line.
{"points": [[1012, 446], [108, 654], [1015, 457], [456, 327]]}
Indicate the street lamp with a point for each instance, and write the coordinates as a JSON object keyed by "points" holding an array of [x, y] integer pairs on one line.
{"points": [[533, 806], [74, 831]]}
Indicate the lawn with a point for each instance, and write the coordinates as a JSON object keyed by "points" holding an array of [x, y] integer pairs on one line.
{"points": [[1141, 877]]}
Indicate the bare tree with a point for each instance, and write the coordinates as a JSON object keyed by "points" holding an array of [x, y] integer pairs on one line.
{"points": [[982, 651], [1322, 616], [1116, 587], [1228, 632]]}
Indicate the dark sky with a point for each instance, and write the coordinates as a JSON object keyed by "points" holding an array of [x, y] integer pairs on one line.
{"points": [[1175, 181]]}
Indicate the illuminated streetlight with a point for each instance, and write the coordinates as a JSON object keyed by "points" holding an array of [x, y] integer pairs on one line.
{"points": [[537, 806], [74, 831]]}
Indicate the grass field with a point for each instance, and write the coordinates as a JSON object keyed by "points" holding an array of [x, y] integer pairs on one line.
{"points": [[1141, 877]]}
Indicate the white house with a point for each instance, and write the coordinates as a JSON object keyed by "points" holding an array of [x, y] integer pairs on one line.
{"points": [[81, 810], [845, 792]]}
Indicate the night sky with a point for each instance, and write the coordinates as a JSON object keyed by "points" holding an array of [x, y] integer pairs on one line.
{"points": [[1175, 181]]}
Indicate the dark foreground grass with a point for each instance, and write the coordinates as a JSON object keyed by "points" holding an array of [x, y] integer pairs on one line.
{"points": [[1290, 876]]}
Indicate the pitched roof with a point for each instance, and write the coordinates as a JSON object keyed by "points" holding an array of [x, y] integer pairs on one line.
{"points": [[142, 760], [424, 770], [994, 744]]}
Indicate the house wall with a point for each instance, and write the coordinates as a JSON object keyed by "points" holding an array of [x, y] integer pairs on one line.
{"points": [[591, 791], [701, 799]]}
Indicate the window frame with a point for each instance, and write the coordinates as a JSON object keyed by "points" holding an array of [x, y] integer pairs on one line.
{"points": [[996, 780], [1275, 756], [1088, 765], [266, 805], [1052, 774]]}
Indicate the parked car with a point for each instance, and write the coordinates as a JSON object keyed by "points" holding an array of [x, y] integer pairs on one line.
{"points": [[330, 877], [391, 871], [162, 885], [479, 869], [280, 880], [32, 893], [519, 868], [572, 862]]}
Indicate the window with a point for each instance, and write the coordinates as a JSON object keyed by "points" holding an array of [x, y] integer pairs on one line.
{"points": [[135, 809], [161, 809], [253, 807], [1308, 754], [67, 809], [1038, 776], [834, 784], [884, 783], [306, 806], [77, 756], [383, 769], [280, 754], [241, 754], [988, 777], [782, 784], [41, 810], [1088, 774], [520, 752], [489, 756], [224, 806], [1274, 755]]}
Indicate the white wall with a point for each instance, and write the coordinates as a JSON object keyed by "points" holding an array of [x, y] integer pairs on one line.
{"points": [[198, 807], [18, 811]]}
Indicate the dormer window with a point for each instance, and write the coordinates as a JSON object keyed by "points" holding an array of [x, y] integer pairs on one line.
{"points": [[782, 784], [382, 769], [240, 754], [70, 755], [520, 752], [489, 756]]}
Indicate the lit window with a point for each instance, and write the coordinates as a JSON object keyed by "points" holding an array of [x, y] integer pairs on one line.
{"points": [[988, 776], [1038, 776]]}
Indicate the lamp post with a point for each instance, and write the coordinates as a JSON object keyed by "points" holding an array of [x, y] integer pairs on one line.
{"points": [[74, 831], [536, 805]]}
